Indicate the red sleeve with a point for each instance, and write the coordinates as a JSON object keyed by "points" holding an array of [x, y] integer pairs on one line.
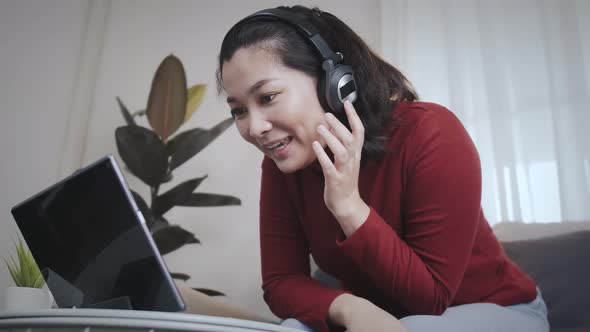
{"points": [[289, 290], [440, 210]]}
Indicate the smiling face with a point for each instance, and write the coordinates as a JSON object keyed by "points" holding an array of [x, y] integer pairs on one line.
{"points": [[276, 108]]}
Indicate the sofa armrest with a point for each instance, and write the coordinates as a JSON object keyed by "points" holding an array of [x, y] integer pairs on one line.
{"points": [[559, 266]]}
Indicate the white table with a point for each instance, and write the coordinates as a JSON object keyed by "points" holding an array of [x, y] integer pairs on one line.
{"points": [[103, 320]]}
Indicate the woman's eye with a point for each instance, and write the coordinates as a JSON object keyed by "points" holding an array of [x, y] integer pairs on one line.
{"points": [[237, 112], [267, 98]]}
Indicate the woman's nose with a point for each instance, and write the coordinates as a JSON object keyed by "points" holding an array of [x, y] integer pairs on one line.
{"points": [[259, 125]]}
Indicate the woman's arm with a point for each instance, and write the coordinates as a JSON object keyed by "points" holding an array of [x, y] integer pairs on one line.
{"points": [[289, 290], [358, 315], [441, 210], [202, 304]]}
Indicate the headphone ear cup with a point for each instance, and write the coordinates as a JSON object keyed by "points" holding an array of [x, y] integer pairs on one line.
{"points": [[341, 86], [337, 85], [332, 91]]}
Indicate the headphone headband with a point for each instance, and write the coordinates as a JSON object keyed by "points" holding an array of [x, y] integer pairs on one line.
{"points": [[277, 14]]}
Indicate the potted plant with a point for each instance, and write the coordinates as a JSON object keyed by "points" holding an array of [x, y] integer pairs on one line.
{"points": [[28, 293], [152, 154]]}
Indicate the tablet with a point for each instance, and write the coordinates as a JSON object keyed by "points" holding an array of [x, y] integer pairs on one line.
{"points": [[92, 245]]}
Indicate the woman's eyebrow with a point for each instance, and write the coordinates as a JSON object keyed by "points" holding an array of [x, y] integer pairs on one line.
{"points": [[253, 88]]}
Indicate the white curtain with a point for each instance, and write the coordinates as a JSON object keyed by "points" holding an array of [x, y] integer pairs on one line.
{"points": [[517, 73]]}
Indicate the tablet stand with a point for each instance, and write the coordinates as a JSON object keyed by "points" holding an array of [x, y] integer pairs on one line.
{"points": [[67, 295], [64, 293], [122, 302]]}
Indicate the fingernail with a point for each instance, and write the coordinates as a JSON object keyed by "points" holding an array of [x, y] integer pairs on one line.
{"points": [[321, 129], [329, 116]]}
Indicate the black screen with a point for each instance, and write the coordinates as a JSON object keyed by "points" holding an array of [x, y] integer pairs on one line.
{"points": [[85, 231]]}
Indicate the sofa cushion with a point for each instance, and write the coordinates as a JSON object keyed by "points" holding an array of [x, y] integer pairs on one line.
{"points": [[518, 230], [559, 265]]}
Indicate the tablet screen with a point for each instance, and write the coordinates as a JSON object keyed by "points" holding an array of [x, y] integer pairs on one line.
{"points": [[93, 248]]}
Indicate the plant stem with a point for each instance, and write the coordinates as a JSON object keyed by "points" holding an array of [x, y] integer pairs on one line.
{"points": [[154, 192]]}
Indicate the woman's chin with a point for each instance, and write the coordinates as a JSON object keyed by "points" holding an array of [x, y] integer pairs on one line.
{"points": [[287, 166], [290, 165]]}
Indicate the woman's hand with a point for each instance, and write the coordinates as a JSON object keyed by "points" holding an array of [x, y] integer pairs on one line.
{"points": [[358, 315], [200, 304], [341, 192]]}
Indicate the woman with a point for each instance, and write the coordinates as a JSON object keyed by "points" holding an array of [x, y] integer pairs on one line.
{"points": [[383, 192]]}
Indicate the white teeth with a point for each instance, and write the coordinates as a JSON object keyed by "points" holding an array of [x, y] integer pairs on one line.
{"points": [[272, 147], [279, 144]]}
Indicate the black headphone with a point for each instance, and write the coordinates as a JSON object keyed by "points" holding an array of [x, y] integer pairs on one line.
{"points": [[338, 84]]}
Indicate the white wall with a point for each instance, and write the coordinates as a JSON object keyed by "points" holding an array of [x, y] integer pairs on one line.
{"points": [[39, 52], [134, 38]]}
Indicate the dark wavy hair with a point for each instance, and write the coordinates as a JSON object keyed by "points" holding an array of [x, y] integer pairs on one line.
{"points": [[380, 85]]}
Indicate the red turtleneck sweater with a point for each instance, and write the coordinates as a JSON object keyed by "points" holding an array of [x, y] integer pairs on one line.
{"points": [[425, 246]]}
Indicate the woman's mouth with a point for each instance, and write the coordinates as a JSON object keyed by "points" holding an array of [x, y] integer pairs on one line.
{"points": [[279, 148]]}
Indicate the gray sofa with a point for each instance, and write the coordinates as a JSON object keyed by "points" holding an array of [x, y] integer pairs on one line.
{"points": [[555, 255], [559, 265]]}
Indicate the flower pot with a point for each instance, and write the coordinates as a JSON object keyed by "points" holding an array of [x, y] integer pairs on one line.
{"points": [[25, 298]]}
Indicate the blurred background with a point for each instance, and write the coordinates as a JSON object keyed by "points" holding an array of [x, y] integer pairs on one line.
{"points": [[516, 72]]}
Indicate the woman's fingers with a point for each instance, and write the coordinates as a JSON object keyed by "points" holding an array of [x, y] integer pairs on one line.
{"points": [[338, 149], [325, 162], [340, 130], [344, 144], [358, 130]]}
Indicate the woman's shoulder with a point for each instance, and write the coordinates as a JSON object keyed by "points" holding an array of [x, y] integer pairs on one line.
{"points": [[412, 114], [422, 119], [420, 110]]}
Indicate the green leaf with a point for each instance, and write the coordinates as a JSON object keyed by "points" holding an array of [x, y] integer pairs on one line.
{"points": [[191, 143], [24, 271], [39, 282], [167, 102], [23, 264], [172, 144], [206, 199], [168, 177], [159, 223], [195, 93], [209, 292], [180, 276], [173, 237], [126, 115], [143, 152], [174, 196]]}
